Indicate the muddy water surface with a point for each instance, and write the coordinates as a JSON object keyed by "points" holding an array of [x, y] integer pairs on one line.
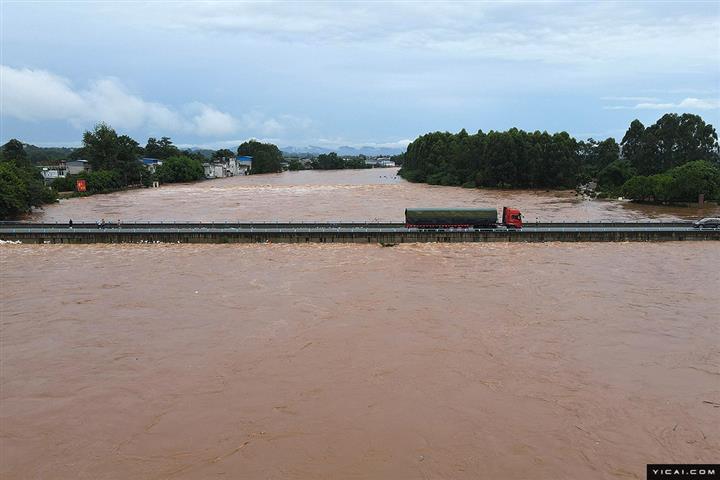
{"points": [[348, 361], [359, 195], [309, 361]]}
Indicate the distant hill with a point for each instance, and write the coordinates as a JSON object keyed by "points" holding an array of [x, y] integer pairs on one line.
{"points": [[344, 150], [207, 153], [46, 155]]}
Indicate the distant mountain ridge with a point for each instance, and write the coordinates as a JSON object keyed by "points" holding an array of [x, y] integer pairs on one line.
{"points": [[343, 150]]}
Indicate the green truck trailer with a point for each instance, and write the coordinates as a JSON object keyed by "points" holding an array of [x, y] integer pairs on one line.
{"points": [[462, 217]]}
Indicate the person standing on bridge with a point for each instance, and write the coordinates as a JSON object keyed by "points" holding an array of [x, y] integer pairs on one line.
{"points": [[70, 223]]}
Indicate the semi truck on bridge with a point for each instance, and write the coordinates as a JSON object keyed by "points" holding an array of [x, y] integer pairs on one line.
{"points": [[476, 218]]}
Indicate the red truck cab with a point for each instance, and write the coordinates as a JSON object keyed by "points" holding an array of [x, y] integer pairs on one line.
{"points": [[512, 218]]}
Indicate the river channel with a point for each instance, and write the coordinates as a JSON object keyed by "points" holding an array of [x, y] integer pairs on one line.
{"points": [[461, 361]]}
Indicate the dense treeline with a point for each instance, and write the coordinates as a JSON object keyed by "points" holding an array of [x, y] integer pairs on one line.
{"points": [[21, 184], [331, 161], [519, 159], [512, 159]]}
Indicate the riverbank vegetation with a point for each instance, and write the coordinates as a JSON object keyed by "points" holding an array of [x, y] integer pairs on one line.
{"points": [[520, 159], [113, 161], [329, 161], [680, 184], [21, 185]]}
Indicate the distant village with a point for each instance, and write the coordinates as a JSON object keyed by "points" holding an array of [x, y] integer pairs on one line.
{"points": [[213, 168]]}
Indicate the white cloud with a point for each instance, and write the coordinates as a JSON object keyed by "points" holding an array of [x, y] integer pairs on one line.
{"points": [[631, 99], [211, 122], [265, 126], [687, 103], [109, 101], [37, 95], [588, 34], [700, 104]]}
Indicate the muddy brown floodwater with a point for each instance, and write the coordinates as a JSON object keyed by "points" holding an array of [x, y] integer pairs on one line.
{"points": [[349, 195], [462, 361]]}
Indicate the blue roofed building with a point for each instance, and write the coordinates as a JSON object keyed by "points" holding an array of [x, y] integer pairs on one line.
{"points": [[151, 163], [245, 163]]}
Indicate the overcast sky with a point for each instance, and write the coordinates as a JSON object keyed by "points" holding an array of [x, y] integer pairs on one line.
{"points": [[368, 73]]}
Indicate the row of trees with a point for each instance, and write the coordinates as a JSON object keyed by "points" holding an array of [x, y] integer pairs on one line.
{"points": [[519, 159], [512, 159], [329, 161]]}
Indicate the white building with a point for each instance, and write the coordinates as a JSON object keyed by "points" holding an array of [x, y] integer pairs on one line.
{"points": [[232, 167], [225, 167], [50, 173], [77, 166]]}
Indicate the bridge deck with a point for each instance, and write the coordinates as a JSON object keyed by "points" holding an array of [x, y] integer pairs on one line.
{"points": [[189, 232]]}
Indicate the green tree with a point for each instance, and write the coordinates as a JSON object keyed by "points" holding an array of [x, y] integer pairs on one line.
{"points": [[608, 151], [126, 163], [670, 142], [694, 178], [640, 188], [633, 146], [14, 151], [160, 149], [266, 156], [180, 169], [101, 147], [21, 185], [14, 196], [616, 174], [294, 165], [512, 159], [680, 184], [356, 162], [222, 153], [106, 150], [329, 161], [662, 187]]}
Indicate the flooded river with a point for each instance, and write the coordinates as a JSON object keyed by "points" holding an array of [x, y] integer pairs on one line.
{"points": [[359, 195], [463, 361]]}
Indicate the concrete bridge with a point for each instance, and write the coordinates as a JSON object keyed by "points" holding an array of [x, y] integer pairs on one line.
{"points": [[384, 233]]}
